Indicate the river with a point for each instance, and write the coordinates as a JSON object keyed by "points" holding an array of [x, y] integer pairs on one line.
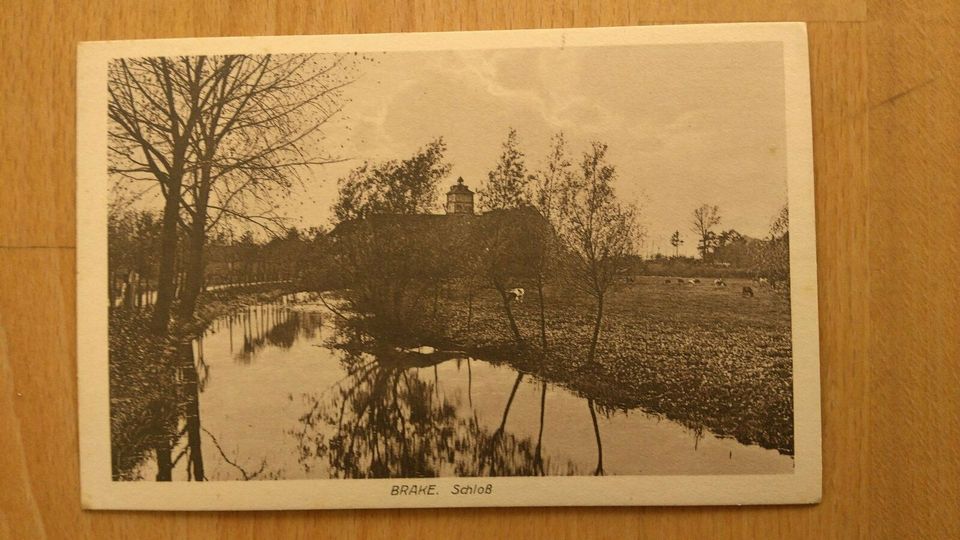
{"points": [[285, 391]]}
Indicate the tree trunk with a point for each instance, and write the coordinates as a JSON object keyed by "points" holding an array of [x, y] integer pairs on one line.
{"points": [[164, 428], [164, 463], [194, 271], [543, 316], [538, 455], [192, 410], [198, 237], [166, 289], [470, 383], [506, 410], [513, 323], [596, 330], [112, 289], [469, 310], [129, 297], [596, 432], [506, 307]]}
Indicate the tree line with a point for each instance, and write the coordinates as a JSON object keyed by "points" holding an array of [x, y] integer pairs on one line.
{"points": [[229, 259], [760, 257]]}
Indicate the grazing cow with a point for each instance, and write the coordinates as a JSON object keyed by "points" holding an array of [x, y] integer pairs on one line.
{"points": [[747, 292], [691, 281], [668, 281], [764, 282], [679, 280], [696, 280], [719, 283], [515, 295]]}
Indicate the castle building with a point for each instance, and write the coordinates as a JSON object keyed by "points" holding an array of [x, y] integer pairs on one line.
{"points": [[459, 199]]}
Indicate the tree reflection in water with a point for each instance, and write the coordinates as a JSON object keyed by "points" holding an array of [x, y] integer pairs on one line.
{"points": [[538, 453], [175, 426], [596, 431], [383, 420], [272, 325], [176, 420]]}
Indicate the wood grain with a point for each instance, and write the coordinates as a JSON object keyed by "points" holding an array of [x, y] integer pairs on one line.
{"points": [[886, 115]]}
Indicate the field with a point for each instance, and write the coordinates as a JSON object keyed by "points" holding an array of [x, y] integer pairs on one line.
{"points": [[698, 354]]}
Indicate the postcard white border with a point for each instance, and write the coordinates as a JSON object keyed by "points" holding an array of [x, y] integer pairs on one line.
{"points": [[100, 492]]}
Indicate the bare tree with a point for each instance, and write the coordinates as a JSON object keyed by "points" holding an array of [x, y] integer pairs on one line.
{"points": [[219, 135], [260, 131], [154, 105], [705, 218], [598, 231]]}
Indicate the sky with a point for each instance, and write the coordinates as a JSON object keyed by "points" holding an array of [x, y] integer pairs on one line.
{"points": [[686, 124]]}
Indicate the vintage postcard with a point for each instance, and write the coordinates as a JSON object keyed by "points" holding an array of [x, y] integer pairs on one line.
{"points": [[511, 268]]}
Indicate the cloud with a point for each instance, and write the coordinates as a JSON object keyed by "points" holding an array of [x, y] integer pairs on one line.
{"points": [[685, 124]]}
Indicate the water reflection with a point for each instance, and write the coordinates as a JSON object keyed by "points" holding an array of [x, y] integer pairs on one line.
{"points": [[386, 420], [176, 428], [293, 390], [175, 424], [271, 325]]}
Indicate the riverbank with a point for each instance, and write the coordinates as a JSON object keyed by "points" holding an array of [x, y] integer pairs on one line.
{"points": [[142, 370], [703, 356]]}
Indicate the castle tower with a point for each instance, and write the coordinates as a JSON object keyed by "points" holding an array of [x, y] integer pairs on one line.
{"points": [[459, 199]]}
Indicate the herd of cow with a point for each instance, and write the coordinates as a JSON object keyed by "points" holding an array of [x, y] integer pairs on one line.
{"points": [[516, 295], [746, 291]]}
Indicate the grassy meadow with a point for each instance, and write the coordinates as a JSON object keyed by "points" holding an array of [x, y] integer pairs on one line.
{"points": [[704, 356]]}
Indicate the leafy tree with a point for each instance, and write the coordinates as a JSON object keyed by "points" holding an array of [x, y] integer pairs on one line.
{"points": [[549, 181], [728, 237], [502, 259], [736, 250], [393, 187], [705, 218], [382, 256], [780, 227], [774, 257], [676, 242], [546, 189], [133, 239], [598, 231], [505, 246], [507, 182]]}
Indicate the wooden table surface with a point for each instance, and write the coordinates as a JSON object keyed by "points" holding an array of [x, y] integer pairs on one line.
{"points": [[886, 116]]}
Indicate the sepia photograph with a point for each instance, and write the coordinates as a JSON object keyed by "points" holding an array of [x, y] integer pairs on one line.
{"points": [[458, 269]]}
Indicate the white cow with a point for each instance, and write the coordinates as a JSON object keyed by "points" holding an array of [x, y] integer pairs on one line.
{"points": [[515, 295], [719, 283]]}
